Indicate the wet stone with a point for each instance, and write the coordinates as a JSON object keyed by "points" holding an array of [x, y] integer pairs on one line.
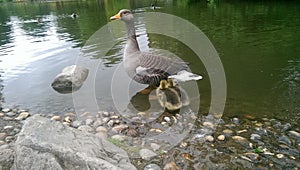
{"points": [[22, 116], [241, 140], [101, 129], [9, 139], [11, 114], [7, 118], [152, 167], [56, 118], [279, 155], [76, 123], [86, 128], [2, 142], [68, 119], [1, 114], [119, 128], [286, 127], [8, 128], [235, 121], [155, 146], [209, 138], [97, 122], [252, 156], [106, 114], [294, 134], [6, 110], [2, 136], [89, 122], [221, 137], [227, 132]]}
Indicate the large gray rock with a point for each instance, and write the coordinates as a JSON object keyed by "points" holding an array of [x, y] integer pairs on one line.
{"points": [[70, 79], [45, 144]]}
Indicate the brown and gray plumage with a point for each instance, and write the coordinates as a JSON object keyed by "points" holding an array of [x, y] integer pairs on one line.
{"points": [[184, 98], [146, 67], [168, 98]]}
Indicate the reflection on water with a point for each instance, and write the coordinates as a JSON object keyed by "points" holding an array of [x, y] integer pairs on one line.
{"points": [[257, 42]]}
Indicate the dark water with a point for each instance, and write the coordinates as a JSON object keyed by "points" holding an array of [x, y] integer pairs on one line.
{"points": [[258, 43]]}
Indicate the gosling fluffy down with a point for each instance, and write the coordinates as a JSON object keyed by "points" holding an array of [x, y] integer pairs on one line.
{"points": [[168, 97]]}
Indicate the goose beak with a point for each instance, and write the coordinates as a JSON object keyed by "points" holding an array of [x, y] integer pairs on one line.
{"points": [[115, 17]]}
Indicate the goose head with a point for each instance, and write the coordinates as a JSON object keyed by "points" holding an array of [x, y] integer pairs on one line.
{"points": [[163, 85], [124, 14]]}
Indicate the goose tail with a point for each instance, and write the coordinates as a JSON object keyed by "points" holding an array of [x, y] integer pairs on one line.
{"points": [[184, 76]]}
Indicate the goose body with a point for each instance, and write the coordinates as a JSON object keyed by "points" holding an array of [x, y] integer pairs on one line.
{"points": [[168, 98], [146, 67]]}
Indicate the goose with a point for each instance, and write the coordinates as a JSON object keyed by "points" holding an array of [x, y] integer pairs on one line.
{"points": [[148, 67], [184, 98], [168, 98]]}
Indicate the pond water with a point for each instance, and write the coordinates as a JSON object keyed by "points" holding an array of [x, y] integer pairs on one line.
{"points": [[258, 44]]}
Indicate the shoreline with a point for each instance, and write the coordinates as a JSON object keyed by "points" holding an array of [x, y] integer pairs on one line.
{"points": [[230, 143]]}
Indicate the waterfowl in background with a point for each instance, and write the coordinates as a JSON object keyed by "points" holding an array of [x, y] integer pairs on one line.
{"points": [[184, 98], [146, 67], [168, 98], [74, 15]]}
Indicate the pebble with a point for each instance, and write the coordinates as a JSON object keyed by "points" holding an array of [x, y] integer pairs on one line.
{"points": [[221, 137], [97, 122], [120, 138], [2, 142], [252, 156], [294, 134], [86, 128], [6, 110], [209, 138], [22, 116], [1, 114], [114, 117], [241, 131], [70, 114], [285, 140], [171, 166], [10, 114], [106, 119], [8, 127], [76, 123], [7, 118], [68, 119], [255, 137], [56, 118], [147, 154], [89, 122], [286, 127], [119, 128], [101, 129], [259, 124], [9, 139], [111, 123], [227, 132], [209, 125], [154, 146], [2, 136], [235, 121], [243, 141], [167, 119], [152, 167], [279, 155], [106, 114]]}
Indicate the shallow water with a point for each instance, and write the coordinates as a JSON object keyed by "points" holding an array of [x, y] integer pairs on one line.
{"points": [[257, 42]]}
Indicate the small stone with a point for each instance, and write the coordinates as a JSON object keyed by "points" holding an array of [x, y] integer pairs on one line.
{"points": [[6, 110], [154, 146], [238, 138], [1, 114], [120, 138], [258, 124], [102, 135], [84, 114], [9, 138], [255, 137], [114, 117], [56, 118], [106, 119], [241, 131], [119, 128], [292, 157], [221, 137], [252, 156], [111, 123], [3, 136], [147, 154], [10, 114], [286, 126], [183, 144], [167, 119], [98, 122], [131, 132], [209, 125], [8, 127], [285, 140], [22, 116], [76, 123], [86, 128], [152, 167], [89, 122], [294, 134], [68, 119], [70, 114], [7, 118], [156, 130], [142, 113], [2, 142], [235, 121], [106, 114], [227, 132], [101, 129], [209, 138], [279, 155], [66, 123], [171, 166]]}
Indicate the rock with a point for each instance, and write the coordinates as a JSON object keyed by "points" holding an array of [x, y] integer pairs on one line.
{"points": [[76, 123], [68, 119], [155, 146], [208, 124], [235, 121], [285, 140], [22, 116], [101, 135], [6, 110], [147, 154], [101, 129], [119, 128], [152, 167], [1, 114], [89, 122], [7, 118], [70, 79], [71, 114], [2, 142], [252, 156], [106, 114], [209, 138], [6, 158], [171, 166], [44, 144], [286, 127], [294, 134], [86, 128], [10, 114], [3, 136], [8, 127], [221, 137], [227, 132], [56, 118], [279, 155], [97, 122], [241, 131], [9, 139], [243, 141]]}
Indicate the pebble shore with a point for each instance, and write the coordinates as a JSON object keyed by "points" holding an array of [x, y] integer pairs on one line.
{"points": [[211, 142]]}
